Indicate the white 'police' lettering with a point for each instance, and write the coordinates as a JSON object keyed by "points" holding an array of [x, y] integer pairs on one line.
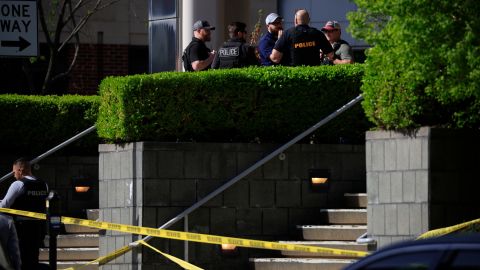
{"points": [[37, 193], [228, 52]]}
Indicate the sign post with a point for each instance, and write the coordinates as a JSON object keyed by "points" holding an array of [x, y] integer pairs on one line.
{"points": [[18, 28]]}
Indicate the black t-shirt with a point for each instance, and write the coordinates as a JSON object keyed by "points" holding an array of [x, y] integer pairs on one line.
{"points": [[301, 45], [197, 51]]}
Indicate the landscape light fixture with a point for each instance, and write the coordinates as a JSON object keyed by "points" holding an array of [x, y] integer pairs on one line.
{"points": [[82, 189], [228, 250], [319, 179]]}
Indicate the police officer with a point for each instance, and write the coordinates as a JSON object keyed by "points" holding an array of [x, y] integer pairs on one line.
{"points": [[197, 56], [27, 193], [301, 44], [343, 53], [235, 52]]}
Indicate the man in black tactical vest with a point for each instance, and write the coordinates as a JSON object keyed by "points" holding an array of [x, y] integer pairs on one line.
{"points": [[27, 193], [235, 52], [302, 44]]}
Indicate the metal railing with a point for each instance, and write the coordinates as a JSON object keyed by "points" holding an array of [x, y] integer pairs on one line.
{"points": [[222, 188], [259, 163], [54, 149]]}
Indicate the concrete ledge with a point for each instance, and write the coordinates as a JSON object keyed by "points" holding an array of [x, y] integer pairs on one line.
{"points": [[344, 216], [299, 264], [348, 245], [333, 232], [356, 200]]}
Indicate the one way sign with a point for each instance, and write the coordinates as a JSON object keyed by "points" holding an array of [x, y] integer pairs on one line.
{"points": [[18, 28]]}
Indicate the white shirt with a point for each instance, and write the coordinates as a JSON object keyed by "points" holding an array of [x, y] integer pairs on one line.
{"points": [[15, 190]]}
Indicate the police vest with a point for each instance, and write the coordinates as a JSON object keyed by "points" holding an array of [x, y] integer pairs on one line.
{"points": [[304, 49], [33, 197], [231, 55]]}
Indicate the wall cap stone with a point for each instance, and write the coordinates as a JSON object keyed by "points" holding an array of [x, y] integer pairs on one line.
{"points": [[391, 134]]}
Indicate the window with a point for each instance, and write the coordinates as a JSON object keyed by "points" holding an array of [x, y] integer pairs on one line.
{"points": [[466, 260], [409, 261]]}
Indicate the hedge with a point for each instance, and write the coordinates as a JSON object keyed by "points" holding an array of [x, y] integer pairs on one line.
{"points": [[31, 125], [242, 105]]}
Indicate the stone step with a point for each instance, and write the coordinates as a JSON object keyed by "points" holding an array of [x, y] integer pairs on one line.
{"points": [[299, 263], [349, 245], [77, 229], [77, 264], [356, 200], [92, 214], [71, 254], [333, 232], [75, 240], [344, 216]]}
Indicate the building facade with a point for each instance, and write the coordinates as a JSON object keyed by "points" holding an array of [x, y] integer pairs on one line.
{"points": [[134, 37], [170, 22]]}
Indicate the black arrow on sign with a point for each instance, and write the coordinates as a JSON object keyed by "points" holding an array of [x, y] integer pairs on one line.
{"points": [[21, 43]]}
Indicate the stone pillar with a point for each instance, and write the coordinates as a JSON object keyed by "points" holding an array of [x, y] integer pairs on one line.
{"points": [[420, 182], [209, 10], [120, 200]]}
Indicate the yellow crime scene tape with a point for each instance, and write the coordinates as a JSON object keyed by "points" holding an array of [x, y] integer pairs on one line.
{"points": [[176, 260], [210, 239], [447, 230], [105, 259], [193, 237]]}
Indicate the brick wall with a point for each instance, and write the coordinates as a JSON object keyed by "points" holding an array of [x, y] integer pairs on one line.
{"points": [[95, 62]]}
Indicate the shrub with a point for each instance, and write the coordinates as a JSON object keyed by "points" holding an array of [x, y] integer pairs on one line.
{"points": [[242, 105], [424, 68], [34, 124]]}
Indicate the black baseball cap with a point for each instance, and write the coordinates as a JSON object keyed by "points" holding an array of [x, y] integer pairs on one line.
{"points": [[202, 25]]}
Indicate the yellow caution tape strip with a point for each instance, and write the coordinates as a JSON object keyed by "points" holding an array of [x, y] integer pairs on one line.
{"points": [[193, 237], [447, 230], [105, 259], [183, 264]]}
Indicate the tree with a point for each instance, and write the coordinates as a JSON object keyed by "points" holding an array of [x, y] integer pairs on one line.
{"points": [[56, 18], [424, 66]]}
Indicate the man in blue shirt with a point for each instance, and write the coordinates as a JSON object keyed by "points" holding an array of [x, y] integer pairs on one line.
{"points": [[267, 42]]}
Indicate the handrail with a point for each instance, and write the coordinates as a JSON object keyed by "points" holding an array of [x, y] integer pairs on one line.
{"points": [[54, 149], [258, 164]]}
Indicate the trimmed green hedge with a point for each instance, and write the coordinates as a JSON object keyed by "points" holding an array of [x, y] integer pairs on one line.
{"points": [[424, 67], [34, 124], [242, 105]]}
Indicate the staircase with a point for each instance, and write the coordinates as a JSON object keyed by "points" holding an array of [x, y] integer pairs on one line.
{"points": [[78, 246], [342, 227]]}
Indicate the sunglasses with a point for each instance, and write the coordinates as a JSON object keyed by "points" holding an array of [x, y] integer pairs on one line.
{"points": [[330, 31]]}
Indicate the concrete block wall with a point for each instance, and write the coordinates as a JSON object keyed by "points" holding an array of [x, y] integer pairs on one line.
{"points": [[455, 176], [413, 181], [60, 173], [149, 183]]}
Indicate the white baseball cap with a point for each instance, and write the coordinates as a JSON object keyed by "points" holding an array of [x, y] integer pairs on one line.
{"points": [[272, 17]]}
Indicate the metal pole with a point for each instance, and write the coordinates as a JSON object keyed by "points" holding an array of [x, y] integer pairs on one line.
{"points": [[53, 225], [58, 147], [185, 243], [259, 163]]}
